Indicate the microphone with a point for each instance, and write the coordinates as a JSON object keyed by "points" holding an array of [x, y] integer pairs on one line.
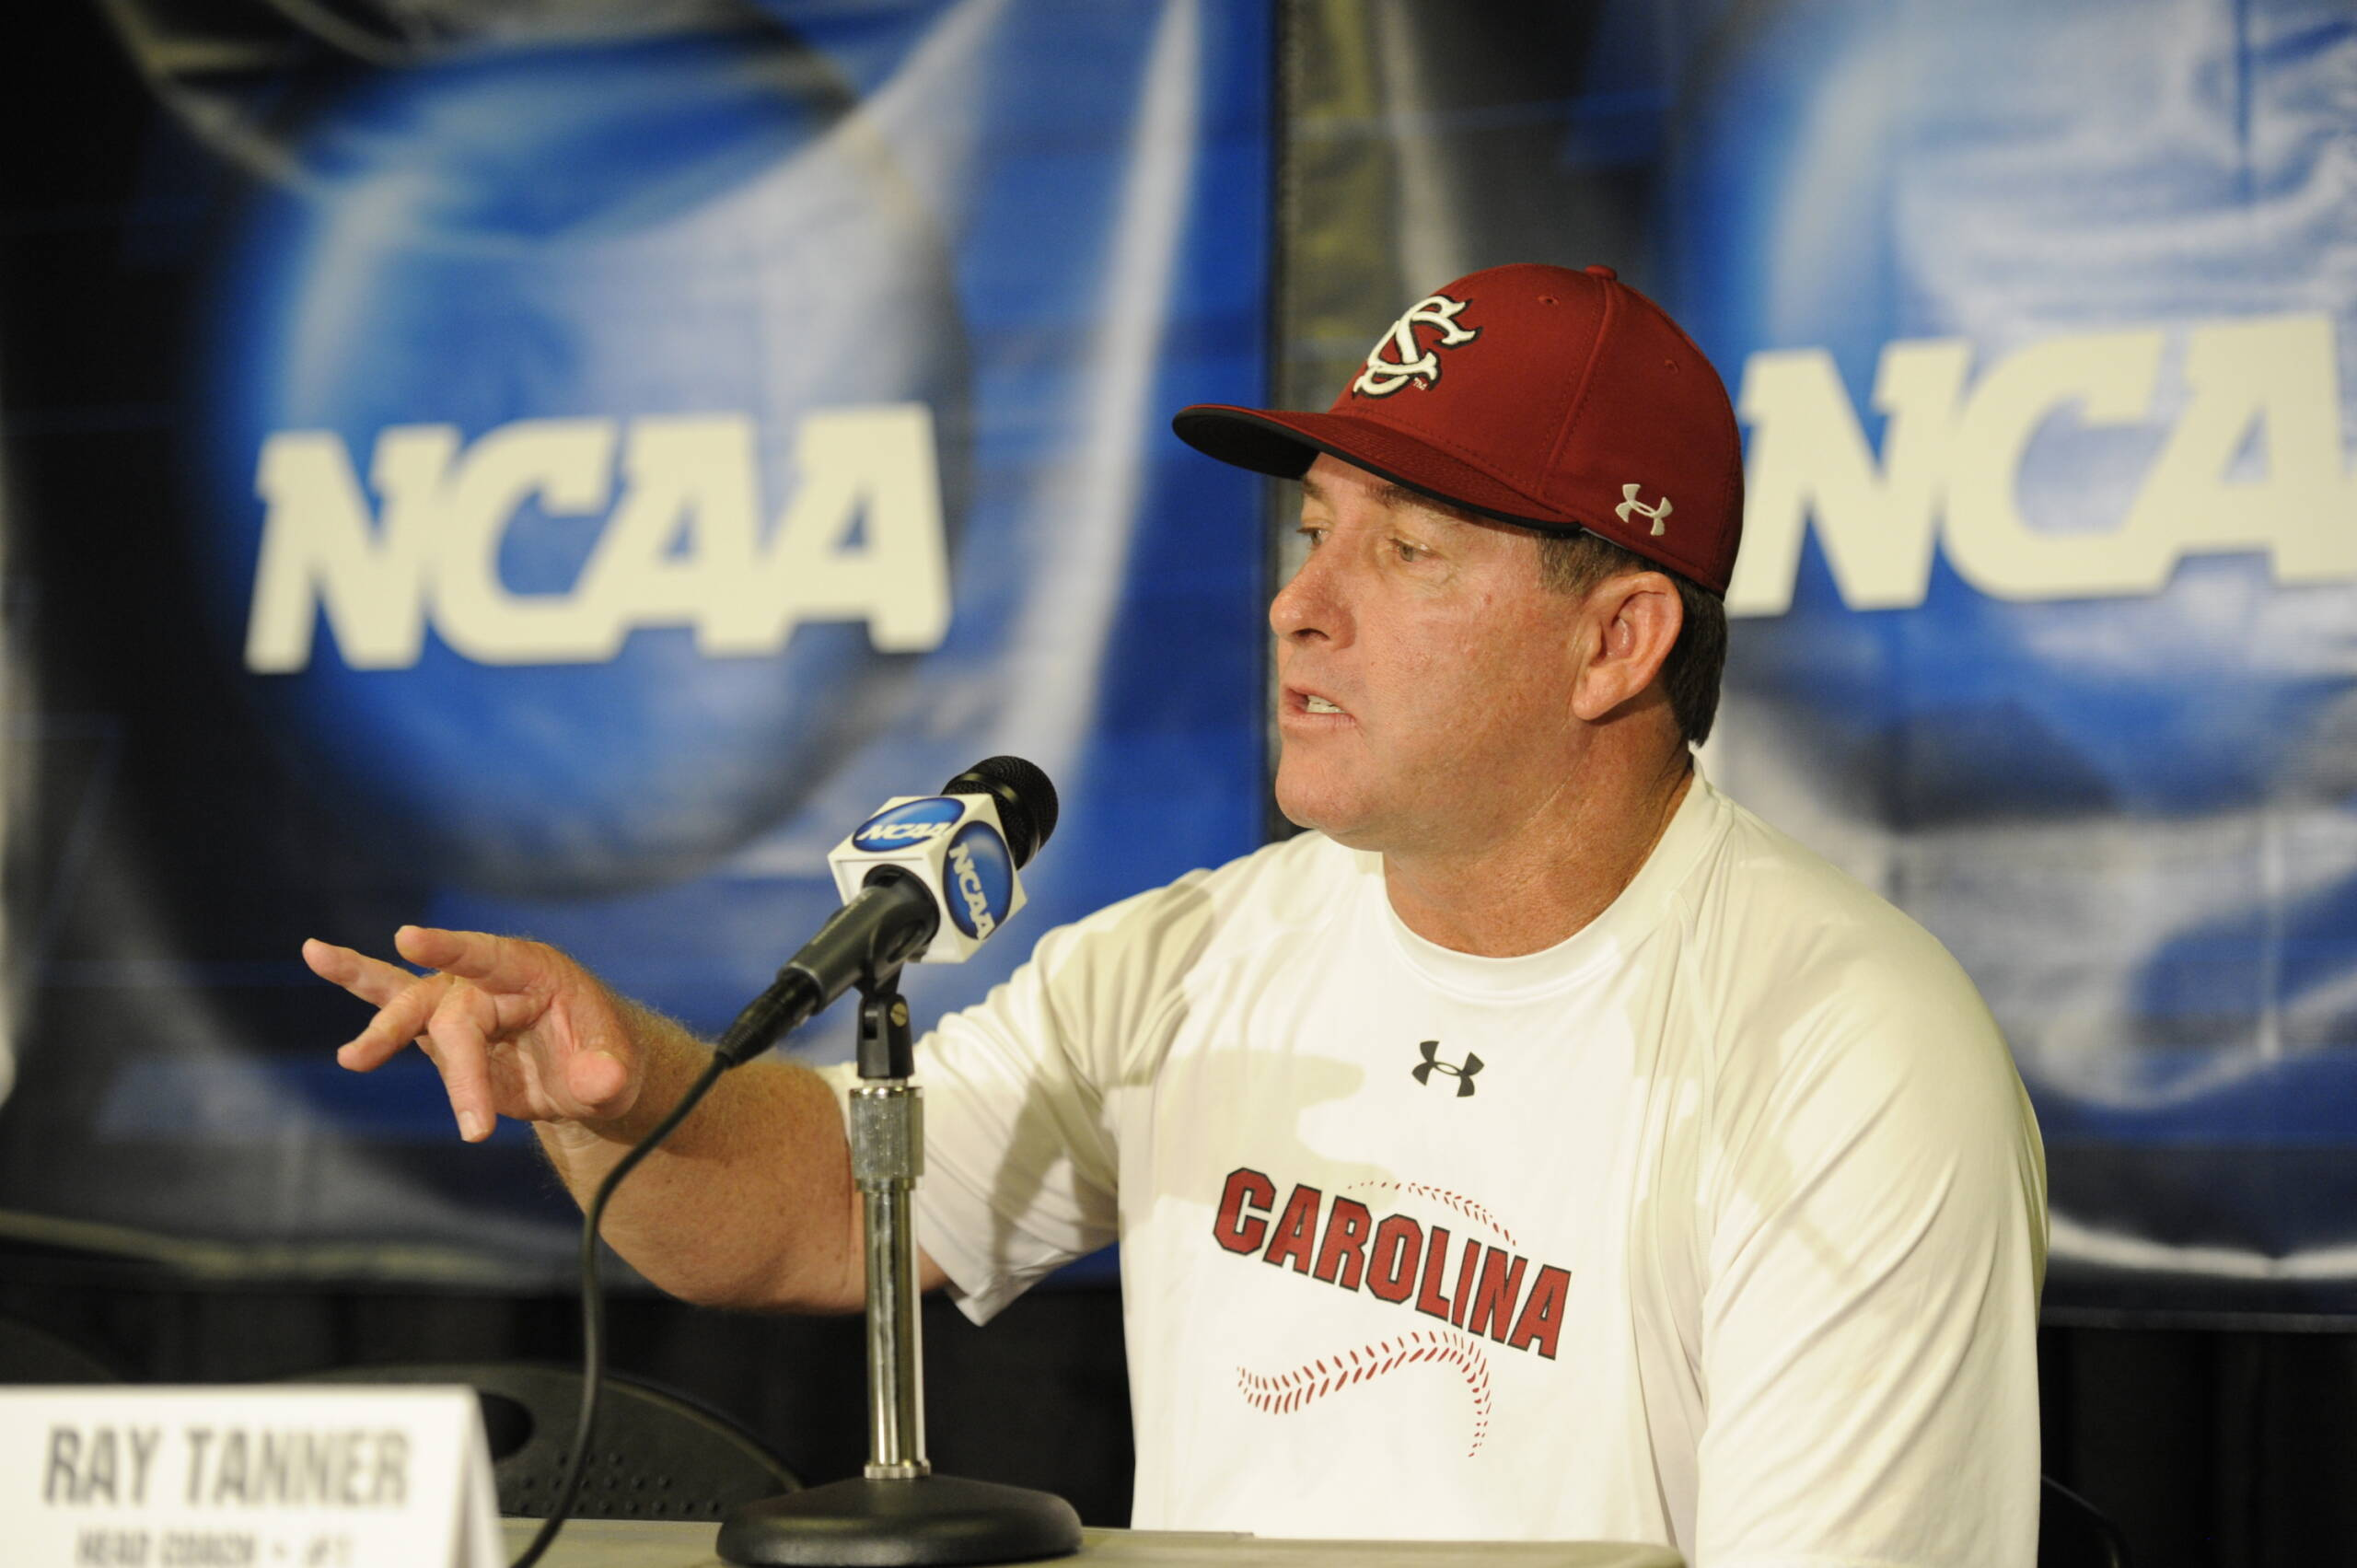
{"points": [[919, 858]]}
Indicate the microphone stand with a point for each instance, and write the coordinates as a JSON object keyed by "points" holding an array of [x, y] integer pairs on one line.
{"points": [[898, 1512]]}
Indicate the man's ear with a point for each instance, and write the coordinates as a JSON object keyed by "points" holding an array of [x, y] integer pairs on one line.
{"points": [[1632, 621]]}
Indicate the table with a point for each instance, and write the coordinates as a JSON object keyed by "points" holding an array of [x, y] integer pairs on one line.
{"points": [[649, 1543]]}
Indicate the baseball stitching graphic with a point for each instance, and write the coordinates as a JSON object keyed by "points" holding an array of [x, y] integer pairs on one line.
{"points": [[1458, 1201], [1288, 1392]]}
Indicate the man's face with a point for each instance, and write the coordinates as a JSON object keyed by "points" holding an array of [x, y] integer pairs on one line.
{"points": [[1447, 662]]}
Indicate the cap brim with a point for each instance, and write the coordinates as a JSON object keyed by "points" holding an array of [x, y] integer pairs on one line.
{"points": [[1284, 444]]}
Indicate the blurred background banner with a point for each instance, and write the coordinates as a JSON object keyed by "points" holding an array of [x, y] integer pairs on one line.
{"points": [[2042, 324], [556, 469]]}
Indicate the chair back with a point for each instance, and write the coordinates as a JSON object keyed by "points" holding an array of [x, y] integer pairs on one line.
{"points": [[2073, 1532], [658, 1455], [30, 1355]]}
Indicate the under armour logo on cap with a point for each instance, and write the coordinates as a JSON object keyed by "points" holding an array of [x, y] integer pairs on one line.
{"points": [[1433, 1063], [1412, 364], [1629, 502]]}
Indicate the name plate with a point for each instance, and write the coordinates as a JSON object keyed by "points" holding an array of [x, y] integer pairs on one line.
{"points": [[346, 1477]]}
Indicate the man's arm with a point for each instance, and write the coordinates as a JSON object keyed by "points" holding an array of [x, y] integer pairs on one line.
{"points": [[749, 1203], [1870, 1323]]}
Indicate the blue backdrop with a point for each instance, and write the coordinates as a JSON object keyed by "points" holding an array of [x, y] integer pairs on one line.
{"points": [[554, 474], [2042, 324], [606, 465]]}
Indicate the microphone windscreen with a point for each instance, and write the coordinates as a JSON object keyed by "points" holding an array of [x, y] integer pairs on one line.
{"points": [[1027, 801]]}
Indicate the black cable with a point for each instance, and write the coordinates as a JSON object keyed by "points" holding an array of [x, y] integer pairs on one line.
{"points": [[593, 1311]]}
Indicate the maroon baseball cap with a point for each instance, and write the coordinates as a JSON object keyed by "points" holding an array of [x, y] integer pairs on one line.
{"points": [[1540, 396]]}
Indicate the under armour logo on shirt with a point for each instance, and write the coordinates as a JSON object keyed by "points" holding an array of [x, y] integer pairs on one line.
{"points": [[1433, 1063]]}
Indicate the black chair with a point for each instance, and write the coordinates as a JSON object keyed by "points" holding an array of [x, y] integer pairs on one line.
{"points": [[2073, 1532], [30, 1355], [658, 1454]]}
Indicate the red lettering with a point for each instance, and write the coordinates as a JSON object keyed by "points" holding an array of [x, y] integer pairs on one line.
{"points": [[1396, 1260], [1494, 1298], [1295, 1230], [1465, 1267], [1428, 1300], [1342, 1255], [1391, 1266], [1235, 1228], [1542, 1315]]}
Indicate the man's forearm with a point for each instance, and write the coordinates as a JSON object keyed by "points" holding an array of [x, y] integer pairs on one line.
{"points": [[749, 1203]]}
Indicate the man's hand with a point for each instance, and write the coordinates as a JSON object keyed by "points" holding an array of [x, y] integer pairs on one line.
{"points": [[750, 1203], [516, 1028]]}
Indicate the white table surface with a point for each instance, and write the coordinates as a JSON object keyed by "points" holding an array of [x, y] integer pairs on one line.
{"points": [[644, 1543]]}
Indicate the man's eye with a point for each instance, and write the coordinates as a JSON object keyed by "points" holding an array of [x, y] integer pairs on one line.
{"points": [[1310, 535], [1408, 553]]}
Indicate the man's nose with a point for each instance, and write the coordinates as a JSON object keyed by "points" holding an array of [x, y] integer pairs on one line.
{"points": [[1310, 604]]}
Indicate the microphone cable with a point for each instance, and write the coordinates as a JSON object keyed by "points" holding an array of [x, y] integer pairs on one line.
{"points": [[593, 1310]]}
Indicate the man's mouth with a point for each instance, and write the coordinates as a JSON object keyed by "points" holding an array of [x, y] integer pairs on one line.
{"points": [[1312, 711]]}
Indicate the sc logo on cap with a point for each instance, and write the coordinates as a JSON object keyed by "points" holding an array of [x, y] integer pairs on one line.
{"points": [[911, 823], [1412, 364]]}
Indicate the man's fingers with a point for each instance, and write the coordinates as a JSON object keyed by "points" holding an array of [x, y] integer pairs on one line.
{"points": [[397, 1023], [502, 964], [484, 993], [403, 1001], [460, 1029], [372, 979]]}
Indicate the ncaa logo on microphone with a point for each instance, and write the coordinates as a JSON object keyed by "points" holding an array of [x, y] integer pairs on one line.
{"points": [[980, 879], [910, 824]]}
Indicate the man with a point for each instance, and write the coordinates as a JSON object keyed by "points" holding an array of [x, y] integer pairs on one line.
{"points": [[1541, 1147]]}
